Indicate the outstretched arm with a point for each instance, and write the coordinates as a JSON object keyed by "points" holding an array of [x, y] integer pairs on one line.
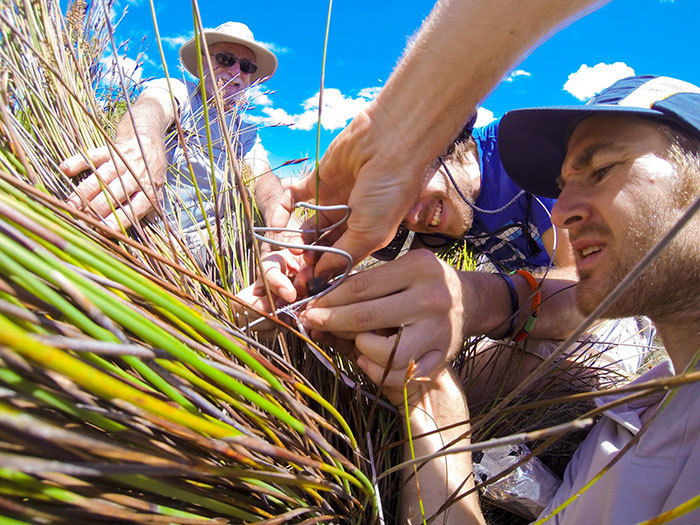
{"points": [[375, 165], [132, 177], [267, 188], [438, 307], [432, 407]]}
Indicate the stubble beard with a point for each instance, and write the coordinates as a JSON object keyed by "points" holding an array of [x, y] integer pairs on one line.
{"points": [[592, 291], [465, 211], [665, 290]]}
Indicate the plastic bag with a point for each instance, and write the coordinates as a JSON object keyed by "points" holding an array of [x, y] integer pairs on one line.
{"points": [[526, 491]]}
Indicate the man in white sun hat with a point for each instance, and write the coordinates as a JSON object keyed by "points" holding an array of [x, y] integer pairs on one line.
{"points": [[237, 62]]}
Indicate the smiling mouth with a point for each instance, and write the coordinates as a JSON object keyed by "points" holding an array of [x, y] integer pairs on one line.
{"points": [[590, 250], [437, 215], [228, 84]]}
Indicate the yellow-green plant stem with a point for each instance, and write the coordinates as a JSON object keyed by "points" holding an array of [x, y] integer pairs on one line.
{"points": [[158, 487], [684, 508], [331, 409], [19, 253], [23, 385], [102, 384], [413, 453], [29, 486], [156, 336]]}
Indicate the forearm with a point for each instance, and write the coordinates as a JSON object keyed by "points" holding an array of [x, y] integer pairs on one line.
{"points": [[437, 404], [460, 54], [558, 315], [150, 117], [268, 192]]}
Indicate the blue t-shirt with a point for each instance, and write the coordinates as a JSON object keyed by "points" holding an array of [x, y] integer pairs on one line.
{"points": [[511, 238]]}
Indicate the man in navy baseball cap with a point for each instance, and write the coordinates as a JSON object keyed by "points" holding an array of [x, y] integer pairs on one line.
{"points": [[626, 170]]}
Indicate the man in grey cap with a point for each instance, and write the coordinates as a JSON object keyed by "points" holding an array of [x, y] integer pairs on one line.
{"points": [[625, 169], [135, 178]]}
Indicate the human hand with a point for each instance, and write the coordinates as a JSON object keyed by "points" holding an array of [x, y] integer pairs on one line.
{"points": [[280, 268], [379, 187], [127, 184], [417, 291], [281, 215], [393, 391]]}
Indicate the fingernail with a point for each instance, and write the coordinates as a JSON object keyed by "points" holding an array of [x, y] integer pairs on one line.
{"points": [[322, 276], [362, 362]]}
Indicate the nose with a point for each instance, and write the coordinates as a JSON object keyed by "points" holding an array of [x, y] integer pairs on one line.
{"points": [[570, 209], [236, 69], [233, 70], [413, 216]]}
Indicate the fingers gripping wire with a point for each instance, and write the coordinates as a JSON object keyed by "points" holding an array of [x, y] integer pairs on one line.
{"points": [[294, 307], [331, 367]]}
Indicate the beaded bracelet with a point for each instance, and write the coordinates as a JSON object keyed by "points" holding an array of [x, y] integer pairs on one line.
{"points": [[530, 323], [514, 304]]}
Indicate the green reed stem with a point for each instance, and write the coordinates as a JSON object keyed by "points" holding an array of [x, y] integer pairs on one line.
{"points": [[102, 384]]}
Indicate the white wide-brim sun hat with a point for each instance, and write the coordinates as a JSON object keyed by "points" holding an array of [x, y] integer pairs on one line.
{"points": [[236, 33]]}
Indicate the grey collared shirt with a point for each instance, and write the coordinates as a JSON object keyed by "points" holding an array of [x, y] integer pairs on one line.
{"points": [[660, 472]]}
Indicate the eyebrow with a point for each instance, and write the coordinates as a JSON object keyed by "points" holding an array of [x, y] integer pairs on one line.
{"points": [[584, 157]]}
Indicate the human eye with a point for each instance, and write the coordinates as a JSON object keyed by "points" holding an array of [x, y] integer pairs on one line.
{"points": [[600, 173]]}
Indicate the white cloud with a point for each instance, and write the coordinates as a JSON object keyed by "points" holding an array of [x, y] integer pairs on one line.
{"points": [[369, 93], [518, 73], [338, 110], [275, 48], [131, 69], [259, 95], [143, 57], [274, 117], [175, 41], [589, 81], [123, 4], [483, 117]]}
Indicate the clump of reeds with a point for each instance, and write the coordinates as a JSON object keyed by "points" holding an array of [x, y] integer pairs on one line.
{"points": [[127, 391]]}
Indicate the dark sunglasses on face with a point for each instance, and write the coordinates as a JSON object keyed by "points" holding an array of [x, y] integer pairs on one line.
{"points": [[431, 240], [392, 250], [227, 60]]}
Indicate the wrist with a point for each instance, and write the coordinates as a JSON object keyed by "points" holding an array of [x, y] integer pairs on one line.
{"points": [[488, 304], [441, 390], [517, 305], [393, 133], [535, 305]]}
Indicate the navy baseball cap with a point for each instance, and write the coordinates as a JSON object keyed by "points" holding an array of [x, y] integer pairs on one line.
{"points": [[532, 142]]}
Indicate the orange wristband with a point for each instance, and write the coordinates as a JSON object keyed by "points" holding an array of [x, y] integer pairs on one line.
{"points": [[530, 323]]}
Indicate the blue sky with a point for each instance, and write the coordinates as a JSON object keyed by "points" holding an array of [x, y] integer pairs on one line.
{"points": [[367, 38]]}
